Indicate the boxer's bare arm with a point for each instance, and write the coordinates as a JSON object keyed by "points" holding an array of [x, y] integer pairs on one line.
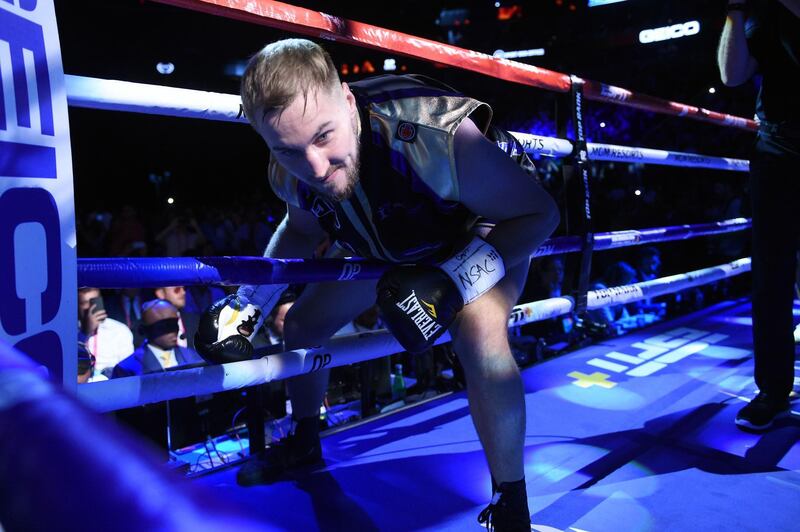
{"points": [[296, 237], [494, 186]]}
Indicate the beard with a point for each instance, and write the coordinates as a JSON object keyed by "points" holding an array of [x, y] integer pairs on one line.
{"points": [[352, 177], [352, 174]]}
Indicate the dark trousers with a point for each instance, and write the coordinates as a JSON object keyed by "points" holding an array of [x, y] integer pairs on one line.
{"points": [[775, 194]]}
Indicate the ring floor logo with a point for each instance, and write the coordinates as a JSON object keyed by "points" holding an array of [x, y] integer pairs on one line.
{"points": [[37, 228], [647, 357]]}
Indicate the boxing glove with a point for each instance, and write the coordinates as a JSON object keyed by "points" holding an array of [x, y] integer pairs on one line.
{"points": [[227, 327], [419, 302]]}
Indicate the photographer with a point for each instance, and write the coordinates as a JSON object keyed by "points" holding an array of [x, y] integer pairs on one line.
{"points": [[107, 339]]}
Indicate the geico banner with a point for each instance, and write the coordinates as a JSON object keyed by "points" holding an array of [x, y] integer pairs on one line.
{"points": [[38, 309], [669, 32]]}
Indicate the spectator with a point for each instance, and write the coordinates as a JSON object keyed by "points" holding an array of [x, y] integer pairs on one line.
{"points": [[546, 280], [125, 306], [127, 233], [92, 233], [242, 235], [160, 349], [725, 206], [107, 339], [647, 263], [262, 230], [86, 366], [218, 231], [187, 321], [181, 237], [617, 274]]}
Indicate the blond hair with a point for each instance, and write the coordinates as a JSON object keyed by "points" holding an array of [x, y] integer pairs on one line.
{"points": [[281, 71]]}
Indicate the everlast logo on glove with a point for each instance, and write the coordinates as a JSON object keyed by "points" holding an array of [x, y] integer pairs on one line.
{"points": [[418, 303], [424, 317]]}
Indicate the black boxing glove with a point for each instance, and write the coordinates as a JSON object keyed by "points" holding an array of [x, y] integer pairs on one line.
{"points": [[419, 302], [226, 328]]}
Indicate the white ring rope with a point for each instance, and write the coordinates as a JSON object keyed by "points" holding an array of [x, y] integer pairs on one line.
{"points": [[112, 95], [127, 392]]}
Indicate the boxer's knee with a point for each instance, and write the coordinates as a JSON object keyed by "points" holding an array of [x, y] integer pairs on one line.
{"points": [[480, 340], [297, 334]]}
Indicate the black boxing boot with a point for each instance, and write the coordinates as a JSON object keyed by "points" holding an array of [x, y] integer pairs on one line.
{"points": [[299, 449], [508, 511]]}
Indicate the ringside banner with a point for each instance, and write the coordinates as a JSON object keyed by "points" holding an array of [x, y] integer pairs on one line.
{"points": [[38, 287]]}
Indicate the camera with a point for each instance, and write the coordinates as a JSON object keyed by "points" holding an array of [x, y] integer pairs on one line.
{"points": [[98, 304]]}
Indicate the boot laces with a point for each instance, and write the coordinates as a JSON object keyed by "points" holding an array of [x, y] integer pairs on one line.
{"points": [[485, 517]]}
